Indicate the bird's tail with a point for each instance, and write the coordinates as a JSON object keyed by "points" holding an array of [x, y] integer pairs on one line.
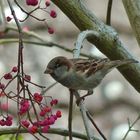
{"points": [[117, 63]]}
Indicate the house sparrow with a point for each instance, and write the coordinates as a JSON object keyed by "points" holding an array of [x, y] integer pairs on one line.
{"points": [[82, 74]]}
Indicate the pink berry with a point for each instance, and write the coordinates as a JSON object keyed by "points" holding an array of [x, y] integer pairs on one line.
{"points": [[58, 114], [54, 102], [33, 129], [8, 122], [9, 118], [2, 86], [27, 77], [55, 117], [26, 29], [8, 76], [8, 19], [4, 106], [32, 2], [47, 109], [51, 120], [45, 129], [47, 3], [24, 106], [38, 97], [46, 121], [53, 14], [42, 113], [25, 123], [50, 30], [14, 69], [2, 122]]}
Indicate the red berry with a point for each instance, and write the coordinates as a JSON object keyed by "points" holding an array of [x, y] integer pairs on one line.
{"points": [[9, 118], [2, 122], [4, 106], [50, 30], [51, 120], [25, 123], [8, 19], [53, 14], [14, 69], [45, 129], [47, 3], [42, 113], [47, 109], [54, 102], [2, 86], [33, 129], [38, 97], [27, 77], [8, 76], [55, 117], [45, 122], [58, 114], [32, 2], [8, 122], [24, 106]]}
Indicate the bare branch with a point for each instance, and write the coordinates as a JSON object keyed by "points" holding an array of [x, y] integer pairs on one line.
{"points": [[108, 16], [132, 8]]}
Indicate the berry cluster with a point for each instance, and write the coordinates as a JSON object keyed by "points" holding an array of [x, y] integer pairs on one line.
{"points": [[45, 116], [7, 121], [24, 106], [36, 4], [47, 3], [46, 120], [8, 76]]}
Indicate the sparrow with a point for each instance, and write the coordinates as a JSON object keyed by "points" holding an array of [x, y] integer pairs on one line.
{"points": [[82, 74]]}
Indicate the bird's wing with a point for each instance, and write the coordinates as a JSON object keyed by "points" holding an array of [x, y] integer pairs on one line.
{"points": [[88, 66]]}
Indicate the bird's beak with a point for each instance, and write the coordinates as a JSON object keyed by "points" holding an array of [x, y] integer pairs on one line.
{"points": [[48, 71]]}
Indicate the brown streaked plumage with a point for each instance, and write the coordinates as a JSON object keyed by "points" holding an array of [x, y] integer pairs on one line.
{"points": [[82, 74]]}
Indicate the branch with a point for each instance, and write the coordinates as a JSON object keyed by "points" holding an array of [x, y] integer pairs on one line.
{"points": [[84, 111], [82, 36], [70, 115], [132, 8], [59, 131], [109, 42], [108, 16], [131, 127], [43, 43], [94, 124], [27, 33]]}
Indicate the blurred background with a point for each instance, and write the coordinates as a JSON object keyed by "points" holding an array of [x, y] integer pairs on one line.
{"points": [[113, 101]]}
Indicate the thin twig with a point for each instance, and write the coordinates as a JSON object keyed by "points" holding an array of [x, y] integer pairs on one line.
{"points": [[48, 88], [131, 126], [92, 121], [20, 58], [28, 13], [108, 15], [35, 111], [84, 116], [70, 115], [46, 44], [40, 86]]}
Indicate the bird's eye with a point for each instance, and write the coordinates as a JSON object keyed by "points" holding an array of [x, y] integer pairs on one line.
{"points": [[57, 65]]}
